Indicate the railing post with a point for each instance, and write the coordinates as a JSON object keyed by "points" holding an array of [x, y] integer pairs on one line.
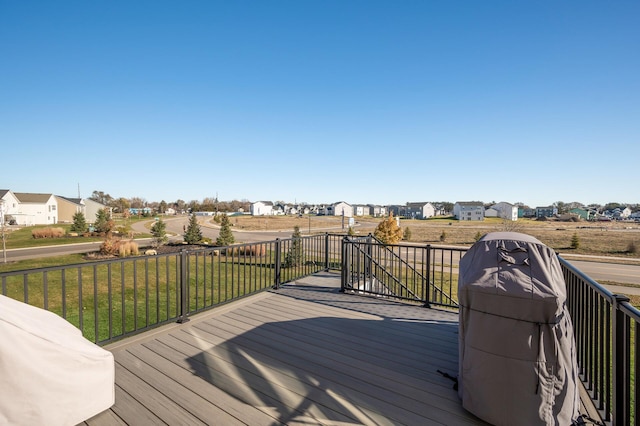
{"points": [[326, 252], [368, 262], [426, 286], [278, 265], [620, 363], [184, 297], [345, 264]]}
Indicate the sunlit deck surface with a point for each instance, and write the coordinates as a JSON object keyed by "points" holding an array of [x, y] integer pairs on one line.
{"points": [[305, 354]]}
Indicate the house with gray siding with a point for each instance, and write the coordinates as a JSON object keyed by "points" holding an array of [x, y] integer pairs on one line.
{"points": [[421, 210], [468, 210]]}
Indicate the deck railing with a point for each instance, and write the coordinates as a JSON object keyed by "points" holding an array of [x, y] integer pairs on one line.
{"points": [[607, 330], [606, 326], [111, 299], [422, 274]]}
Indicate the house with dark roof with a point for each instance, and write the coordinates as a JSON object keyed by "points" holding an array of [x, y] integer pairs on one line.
{"points": [[36, 209], [68, 208], [468, 210]]}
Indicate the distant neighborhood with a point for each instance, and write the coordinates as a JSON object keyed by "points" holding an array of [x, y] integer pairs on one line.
{"points": [[28, 209]]}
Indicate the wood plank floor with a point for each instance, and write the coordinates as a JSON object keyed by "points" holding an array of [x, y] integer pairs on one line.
{"points": [[302, 355]]}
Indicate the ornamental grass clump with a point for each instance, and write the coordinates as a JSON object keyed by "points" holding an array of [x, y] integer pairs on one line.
{"points": [[48, 233]]}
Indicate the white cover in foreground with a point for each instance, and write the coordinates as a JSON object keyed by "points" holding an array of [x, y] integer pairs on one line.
{"points": [[49, 373]]}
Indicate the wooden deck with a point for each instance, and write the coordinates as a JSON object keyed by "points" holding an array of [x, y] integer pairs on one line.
{"points": [[302, 355]]}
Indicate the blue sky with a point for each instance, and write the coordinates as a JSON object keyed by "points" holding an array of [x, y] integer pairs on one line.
{"points": [[321, 101]]}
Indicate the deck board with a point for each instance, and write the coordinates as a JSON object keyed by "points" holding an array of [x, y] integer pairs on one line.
{"points": [[305, 354]]}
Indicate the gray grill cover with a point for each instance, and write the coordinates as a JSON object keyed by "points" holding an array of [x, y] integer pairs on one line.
{"points": [[517, 350]]}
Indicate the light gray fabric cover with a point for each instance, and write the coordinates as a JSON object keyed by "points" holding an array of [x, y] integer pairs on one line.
{"points": [[517, 351], [49, 373]]}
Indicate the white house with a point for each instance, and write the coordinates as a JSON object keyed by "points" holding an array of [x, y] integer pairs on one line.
{"points": [[506, 210], [468, 210], [36, 209], [339, 209], [10, 203], [361, 210], [491, 212], [261, 208]]}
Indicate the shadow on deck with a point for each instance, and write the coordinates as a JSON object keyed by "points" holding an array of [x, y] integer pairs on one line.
{"points": [[302, 354]]}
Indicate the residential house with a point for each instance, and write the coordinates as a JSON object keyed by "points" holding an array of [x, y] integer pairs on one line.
{"points": [[10, 203], [361, 210], [396, 210], [377, 211], [36, 209], [261, 208], [68, 208], [91, 209], [549, 211], [135, 211], [583, 213], [339, 209], [506, 210], [468, 210], [491, 212], [420, 210], [621, 213], [526, 212]]}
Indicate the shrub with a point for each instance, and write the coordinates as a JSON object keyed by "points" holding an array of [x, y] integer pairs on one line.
{"points": [[388, 231], [443, 237], [253, 250], [406, 235], [48, 233], [632, 248], [118, 247], [127, 248]]}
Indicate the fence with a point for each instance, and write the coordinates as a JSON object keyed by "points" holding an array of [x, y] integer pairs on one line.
{"points": [[607, 330], [607, 326], [111, 299], [414, 273]]}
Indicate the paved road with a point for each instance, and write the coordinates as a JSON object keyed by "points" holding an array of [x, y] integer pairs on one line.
{"points": [[601, 271]]}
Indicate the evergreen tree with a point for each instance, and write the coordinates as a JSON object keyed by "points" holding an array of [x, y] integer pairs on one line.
{"points": [[103, 223], [193, 234], [79, 223], [225, 237], [294, 256], [159, 233], [406, 235], [575, 241], [388, 231]]}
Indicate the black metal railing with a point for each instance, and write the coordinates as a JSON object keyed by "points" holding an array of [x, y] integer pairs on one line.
{"points": [[409, 272], [111, 299], [606, 325], [607, 330]]}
